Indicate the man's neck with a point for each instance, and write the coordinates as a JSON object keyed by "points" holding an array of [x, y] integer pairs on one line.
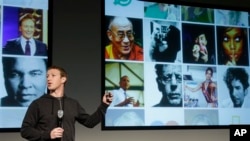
{"points": [[57, 93]]}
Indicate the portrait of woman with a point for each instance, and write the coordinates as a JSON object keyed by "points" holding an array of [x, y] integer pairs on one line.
{"points": [[232, 46]]}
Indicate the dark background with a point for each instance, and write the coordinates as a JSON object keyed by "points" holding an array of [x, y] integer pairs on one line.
{"points": [[76, 44]]}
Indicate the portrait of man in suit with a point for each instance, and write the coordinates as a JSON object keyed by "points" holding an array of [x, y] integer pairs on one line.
{"points": [[26, 44]]}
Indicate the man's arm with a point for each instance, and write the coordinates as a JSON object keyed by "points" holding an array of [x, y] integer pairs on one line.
{"points": [[91, 121], [28, 128]]}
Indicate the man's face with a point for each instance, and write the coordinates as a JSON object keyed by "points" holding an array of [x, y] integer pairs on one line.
{"points": [[27, 28], [171, 81], [202, 40], [27, 80], [54, 79], [233, 44], [122, 37], [237, 93], [125, 83]]}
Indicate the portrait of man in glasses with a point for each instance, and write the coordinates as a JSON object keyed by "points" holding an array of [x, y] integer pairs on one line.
{"points": [[122, 45]]}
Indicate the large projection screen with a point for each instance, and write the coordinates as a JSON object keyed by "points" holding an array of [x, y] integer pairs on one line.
{"points": [[23, 64], [175, 64]]}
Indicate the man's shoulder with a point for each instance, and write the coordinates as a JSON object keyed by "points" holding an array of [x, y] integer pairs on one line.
{"points": [[116, 91], [138, 52], [13, 40], [39, 42], [7, 101], [138, 49], [138, 46]]}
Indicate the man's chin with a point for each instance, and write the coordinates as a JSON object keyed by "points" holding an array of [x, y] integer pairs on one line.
{"points": [[175, 102], [24, 104], [25, 100]]}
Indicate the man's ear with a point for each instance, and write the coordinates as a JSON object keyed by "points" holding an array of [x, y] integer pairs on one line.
{"points": [[159, 84], [109, 34], [64, 79]]}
